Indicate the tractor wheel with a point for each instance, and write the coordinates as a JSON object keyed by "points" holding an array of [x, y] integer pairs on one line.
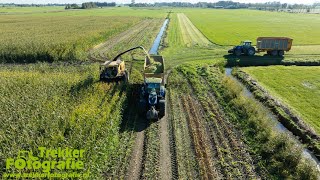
{"points": [[162, 107], [274, 53], [251, 51], [280, 53], [237, 52]]}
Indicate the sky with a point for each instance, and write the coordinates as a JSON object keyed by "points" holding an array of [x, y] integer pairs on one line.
{"points": [[149, 1]]}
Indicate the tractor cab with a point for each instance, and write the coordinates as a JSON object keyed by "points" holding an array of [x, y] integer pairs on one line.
{"points": [[244, 48], [153, 97], [153, 85], [246, 43]]}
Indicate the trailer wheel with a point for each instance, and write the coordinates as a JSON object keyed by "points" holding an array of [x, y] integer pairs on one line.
{"points": [[274, 53], [237, 52], [162, 107], [280, 53], [251, 51]]}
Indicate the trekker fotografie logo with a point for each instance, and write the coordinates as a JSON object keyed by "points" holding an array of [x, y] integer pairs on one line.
{"points": [[50, 163]]}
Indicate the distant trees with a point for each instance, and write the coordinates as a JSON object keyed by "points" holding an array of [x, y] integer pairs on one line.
{"points": [[89, 5], [270, 6], [105, 4], [72, 6]]}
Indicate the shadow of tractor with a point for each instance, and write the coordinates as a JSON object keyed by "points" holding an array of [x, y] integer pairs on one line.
{"points": [[255, 60], [132, 119]]}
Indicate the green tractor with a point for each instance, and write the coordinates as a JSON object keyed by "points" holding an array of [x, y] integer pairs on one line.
{"points": [[245, 48]]}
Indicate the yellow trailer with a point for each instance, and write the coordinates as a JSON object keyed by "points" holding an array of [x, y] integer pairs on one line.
{"points": [[274, 45]]}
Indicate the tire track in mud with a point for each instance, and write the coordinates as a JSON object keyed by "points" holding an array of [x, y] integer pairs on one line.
{"points": [[184, 151], [172, 140], [165, 154], [138, 153]]}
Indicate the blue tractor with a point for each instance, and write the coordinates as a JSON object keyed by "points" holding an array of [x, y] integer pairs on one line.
{"points": [[152, 101], [245, 48]]}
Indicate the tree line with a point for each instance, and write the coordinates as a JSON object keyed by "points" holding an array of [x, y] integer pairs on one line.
{"points": [[89, 5], [229, 5]]}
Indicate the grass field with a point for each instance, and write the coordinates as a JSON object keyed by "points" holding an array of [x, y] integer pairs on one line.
{"points": [[190, 34], [229, 27], [179, 49], [185, 43], [298, 87]]}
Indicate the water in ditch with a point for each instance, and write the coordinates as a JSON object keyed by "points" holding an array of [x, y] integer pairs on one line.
{"points": [[279, 127], [156, 43]]}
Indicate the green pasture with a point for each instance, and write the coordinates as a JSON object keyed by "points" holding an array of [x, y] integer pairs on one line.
{"points": [[296, 86], [229, 27]]}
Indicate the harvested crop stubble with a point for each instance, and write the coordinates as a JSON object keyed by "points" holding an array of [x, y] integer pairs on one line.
{"points": [[141, 34]]}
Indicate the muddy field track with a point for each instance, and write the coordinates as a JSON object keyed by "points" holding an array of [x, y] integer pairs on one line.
{"points": [[151, 155]]}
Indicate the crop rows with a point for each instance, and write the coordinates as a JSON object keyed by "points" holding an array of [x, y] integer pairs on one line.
{"points": [[55, 38], [212, 140], [217, 150]]}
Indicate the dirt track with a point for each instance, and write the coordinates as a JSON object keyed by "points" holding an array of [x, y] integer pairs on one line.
{"points": [[165, 156]]}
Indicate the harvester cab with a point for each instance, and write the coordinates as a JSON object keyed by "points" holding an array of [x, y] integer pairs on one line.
{"points": [[111, 70], [116, 68], [244, 48]]}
